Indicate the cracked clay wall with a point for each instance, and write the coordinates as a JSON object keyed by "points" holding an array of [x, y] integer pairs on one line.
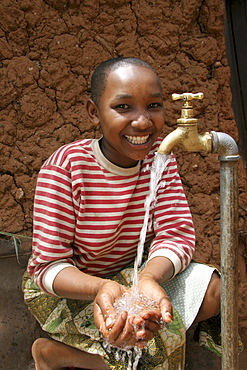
{"points": [[48, 49]]}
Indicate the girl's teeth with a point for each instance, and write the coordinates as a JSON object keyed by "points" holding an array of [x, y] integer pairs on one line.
{"points": [[137, 139]]}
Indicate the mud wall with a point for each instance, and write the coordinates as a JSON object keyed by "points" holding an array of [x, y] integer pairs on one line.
{"points": [[48, 49]]}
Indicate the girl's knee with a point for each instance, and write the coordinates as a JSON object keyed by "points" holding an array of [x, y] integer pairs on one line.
{"points": [[212, 296], [211, 302], [40, 353], [214, 287], [38, 345]]}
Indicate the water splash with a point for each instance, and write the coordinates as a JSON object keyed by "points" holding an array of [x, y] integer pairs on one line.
{"points": [[134, 304], [133, 356]]}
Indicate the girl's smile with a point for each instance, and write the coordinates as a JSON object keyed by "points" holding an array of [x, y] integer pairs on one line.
{"points": [[137, 139], [131, 114]]}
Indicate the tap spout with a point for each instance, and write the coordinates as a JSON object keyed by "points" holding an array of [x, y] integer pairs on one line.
{"points": [[171, 140], [186, 133], [187, 136]]}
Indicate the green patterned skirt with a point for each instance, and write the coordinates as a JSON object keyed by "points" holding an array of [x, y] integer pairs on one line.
{"points": [[71, 321]]}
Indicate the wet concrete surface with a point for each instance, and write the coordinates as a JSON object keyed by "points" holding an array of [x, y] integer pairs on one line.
{"points": [[18, 329]]}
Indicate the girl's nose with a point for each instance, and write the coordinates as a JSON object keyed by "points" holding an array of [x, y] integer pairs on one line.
{"points": [[142, 122]]}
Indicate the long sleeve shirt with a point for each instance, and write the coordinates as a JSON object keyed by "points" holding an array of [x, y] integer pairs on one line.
{"points": [[89, 213]]}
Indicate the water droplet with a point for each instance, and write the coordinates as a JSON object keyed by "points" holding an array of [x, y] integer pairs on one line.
{"points": [[146, 168]]}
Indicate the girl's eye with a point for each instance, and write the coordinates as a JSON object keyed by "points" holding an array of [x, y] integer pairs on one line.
{"points": [[122, 106], [154, 105]]}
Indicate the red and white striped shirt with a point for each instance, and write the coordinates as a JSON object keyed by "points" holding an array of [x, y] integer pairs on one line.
{"points": [[89, 213]]}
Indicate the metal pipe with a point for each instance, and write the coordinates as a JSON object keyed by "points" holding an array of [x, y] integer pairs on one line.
{"points": [[224, 145], [227, 149]]}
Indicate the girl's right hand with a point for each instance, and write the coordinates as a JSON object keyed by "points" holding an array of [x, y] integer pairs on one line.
{"points": [[119, 330], [116, 330], [104, 312]]}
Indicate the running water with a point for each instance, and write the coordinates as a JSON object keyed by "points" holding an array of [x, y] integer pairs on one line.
{"points": [[159, 164], [134, 302]]}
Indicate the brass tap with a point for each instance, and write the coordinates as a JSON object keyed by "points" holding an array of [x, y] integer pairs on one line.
{"points": [[186, 133]]}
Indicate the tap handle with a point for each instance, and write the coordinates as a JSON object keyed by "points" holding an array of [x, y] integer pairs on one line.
{"points": [[187, 96]]}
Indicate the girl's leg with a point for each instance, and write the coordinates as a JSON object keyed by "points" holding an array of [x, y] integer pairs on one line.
{"points": [[51, 355], [211, 302]]}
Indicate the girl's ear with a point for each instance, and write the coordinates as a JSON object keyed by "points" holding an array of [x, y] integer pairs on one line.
{"points": [[92, 112]]}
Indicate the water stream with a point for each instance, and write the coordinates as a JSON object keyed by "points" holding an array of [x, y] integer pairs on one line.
{"points": [[134, 302], [158, 166]]}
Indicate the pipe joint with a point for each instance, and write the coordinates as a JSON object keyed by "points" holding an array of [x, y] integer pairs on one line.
{"points": [[225, 146]]}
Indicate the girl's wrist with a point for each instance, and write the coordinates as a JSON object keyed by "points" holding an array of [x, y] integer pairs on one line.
{"points": [[159, 269], [147, 276]]}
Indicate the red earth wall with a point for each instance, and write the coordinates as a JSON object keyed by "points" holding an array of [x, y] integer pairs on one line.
{"points": [[48, 49]]}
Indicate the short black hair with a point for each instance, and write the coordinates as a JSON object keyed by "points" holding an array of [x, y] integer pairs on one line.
{"points": [[100, 74]]}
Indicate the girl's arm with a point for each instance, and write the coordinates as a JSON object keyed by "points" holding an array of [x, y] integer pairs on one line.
{"points": [[75, 284]]}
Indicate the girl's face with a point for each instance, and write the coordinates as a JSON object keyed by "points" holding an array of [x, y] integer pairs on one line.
{"points": [[131, 114]]}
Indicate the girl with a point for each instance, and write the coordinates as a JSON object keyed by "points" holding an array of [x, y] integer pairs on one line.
{"points": [[88, 214]]}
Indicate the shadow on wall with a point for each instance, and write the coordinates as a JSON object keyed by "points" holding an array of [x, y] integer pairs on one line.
{"points": [[236, 44]]}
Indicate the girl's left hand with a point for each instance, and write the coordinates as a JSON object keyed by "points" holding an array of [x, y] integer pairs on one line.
{"points": [[152, 289]]}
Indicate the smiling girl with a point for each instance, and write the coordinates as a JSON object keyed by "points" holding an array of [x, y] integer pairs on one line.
{"points": [[88, 213]]}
